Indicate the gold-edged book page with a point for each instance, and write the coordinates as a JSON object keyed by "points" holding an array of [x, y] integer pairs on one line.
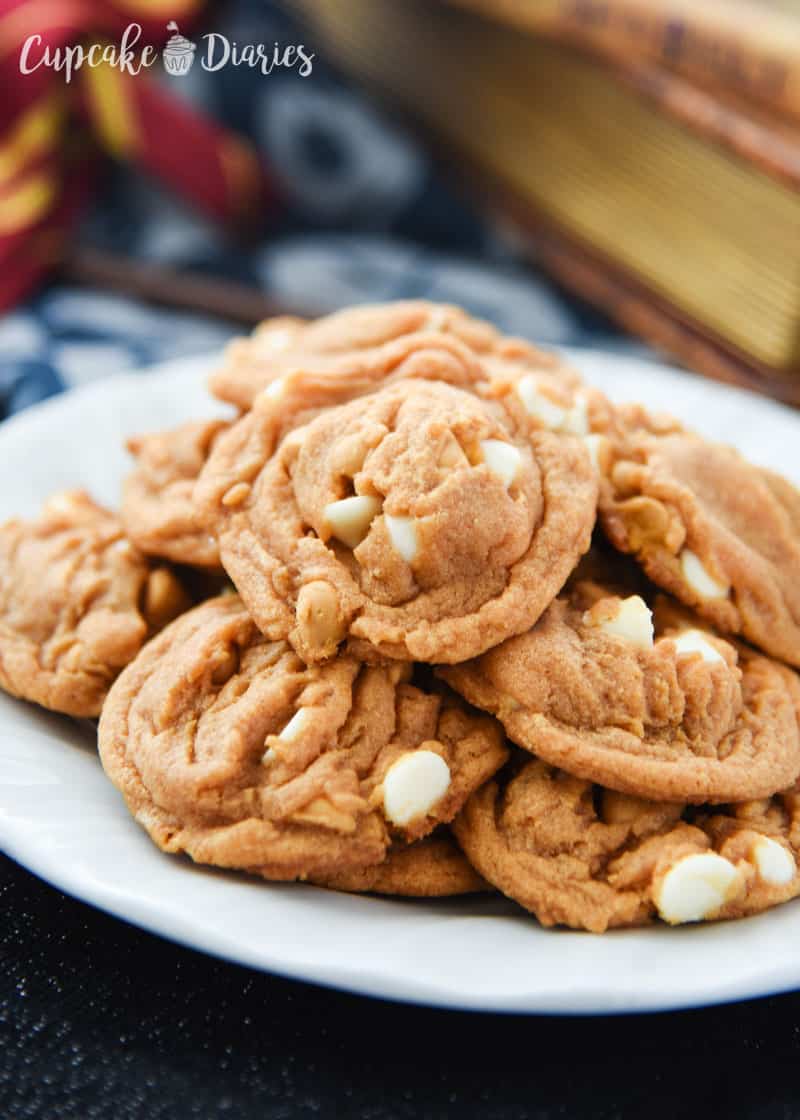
{"points": [[706, 231]]}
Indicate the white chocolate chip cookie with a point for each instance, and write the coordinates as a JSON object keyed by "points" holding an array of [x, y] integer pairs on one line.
{"points": [[158, 509], [580, 855], [77, 601], [672, 713], [434, 867], [720, 534], [361, 348], [410, 521], [227, 747]]}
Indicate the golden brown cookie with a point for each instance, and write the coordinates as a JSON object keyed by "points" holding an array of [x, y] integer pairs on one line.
{"points": [[684, 717], [77, 601], [158, 510], [301, 394], [720, 534], [367, 345], [250, 363], [579, 855], [409, 520], [434, 867], [227, 747], [365, 349], [549, 400]]}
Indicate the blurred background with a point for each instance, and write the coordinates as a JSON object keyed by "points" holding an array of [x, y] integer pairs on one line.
{"points": [[619, 174]]}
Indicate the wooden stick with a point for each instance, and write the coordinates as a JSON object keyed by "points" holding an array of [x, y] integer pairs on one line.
{"points": [[169, 287]]}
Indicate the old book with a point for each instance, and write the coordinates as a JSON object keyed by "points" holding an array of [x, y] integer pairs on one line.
{"points": [[721, 117], [709, 237], [748, 47]]}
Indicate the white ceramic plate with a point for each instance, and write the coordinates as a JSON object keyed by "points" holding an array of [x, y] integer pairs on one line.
{"points": [[63, 820]]}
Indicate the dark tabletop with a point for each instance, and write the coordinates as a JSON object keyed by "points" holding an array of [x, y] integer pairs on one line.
{"points": [[98, 1019]]}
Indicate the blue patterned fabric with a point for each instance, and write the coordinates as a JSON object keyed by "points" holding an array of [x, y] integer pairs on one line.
{"points": [[368, 219]]}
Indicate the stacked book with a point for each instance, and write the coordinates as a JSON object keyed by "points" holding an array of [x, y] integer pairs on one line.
{"points": [[649, 150]]}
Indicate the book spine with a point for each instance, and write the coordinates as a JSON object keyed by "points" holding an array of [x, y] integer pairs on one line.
{"points": [[748, 48]]}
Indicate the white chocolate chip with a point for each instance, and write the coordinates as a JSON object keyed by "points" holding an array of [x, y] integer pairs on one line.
{"points": [[403, 535], [413, 784], [633, 622], [273, 340], [576, 420], [350, 518], [502, 459], [696, 887], [437, 319], [694, 641], [540, 406], [60, 505], [699, 578], [297, 725], [275, 388], [774, 863], [594, 444]]}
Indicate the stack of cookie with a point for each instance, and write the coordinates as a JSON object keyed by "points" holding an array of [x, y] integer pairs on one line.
{"points": [[483, 630]]}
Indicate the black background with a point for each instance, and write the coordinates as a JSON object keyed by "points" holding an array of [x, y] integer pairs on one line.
{"points": [[98, 1019]]}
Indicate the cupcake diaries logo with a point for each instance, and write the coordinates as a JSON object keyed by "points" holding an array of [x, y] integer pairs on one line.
{"points": [[213, 52], [178, 54]]}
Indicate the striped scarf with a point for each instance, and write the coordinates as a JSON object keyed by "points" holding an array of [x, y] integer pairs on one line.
{"points": [[54, 134]]}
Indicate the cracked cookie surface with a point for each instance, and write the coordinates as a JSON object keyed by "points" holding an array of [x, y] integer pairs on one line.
{"points": [[227, 747], [578, 855], [684, 717], [719, 533], [77, 601], [409, 521]]}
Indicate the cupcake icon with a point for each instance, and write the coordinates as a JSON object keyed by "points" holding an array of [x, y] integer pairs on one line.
{"points": [[179, 52]]}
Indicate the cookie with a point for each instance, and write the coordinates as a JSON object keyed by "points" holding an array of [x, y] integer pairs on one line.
{"points": [[227, 747], [431, 868], [248, 363], [158, 510], [549, 400], [369, 345], [409, 521], [303, 393], [685, 717], [719, 533], [579, 855], [77, 601]]}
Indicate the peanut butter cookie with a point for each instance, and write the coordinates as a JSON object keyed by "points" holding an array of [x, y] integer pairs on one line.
{"points": [[410, 521], [77, 601], [580, 855], [684, 717], [717, 532], [370, 344], [548, 400], [227, 747], [431, 868], [158, 509]]}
